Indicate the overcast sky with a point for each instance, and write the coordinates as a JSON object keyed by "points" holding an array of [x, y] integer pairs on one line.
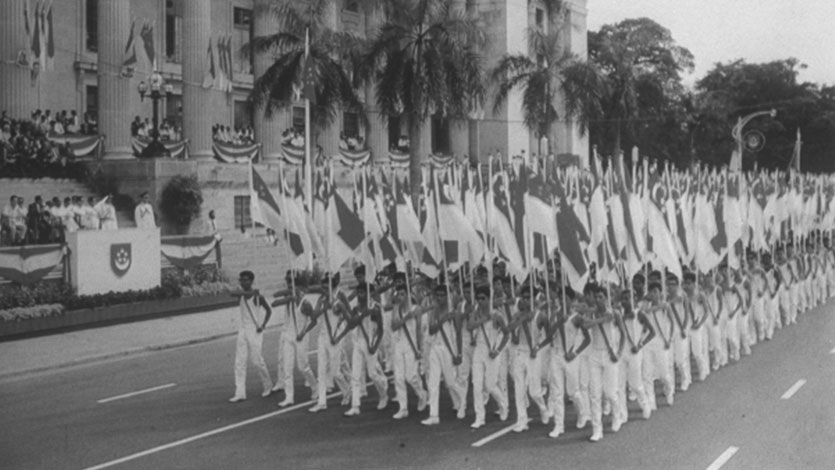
{"points": [[725, 30]]}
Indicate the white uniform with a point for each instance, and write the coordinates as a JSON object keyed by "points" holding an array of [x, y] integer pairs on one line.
{"points": [[734, 311], [603, 376], [143, 214], [486, 370], [564, 377], [681, 345], [329, 359], [295, 352], [657, 355], [630, 369], [248, 345], [527, 371], [698, 336], [717, 345], [364, 363], [404, 360], [440, 364]]}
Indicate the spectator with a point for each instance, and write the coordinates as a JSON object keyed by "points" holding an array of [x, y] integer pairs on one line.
{"points": [[107, 213], [6, 221], [90, 218], [68, 220], [38, 232], [143, 214]]}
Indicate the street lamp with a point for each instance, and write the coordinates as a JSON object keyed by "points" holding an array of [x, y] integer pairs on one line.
{"points": [[737, 133], [155, 148]]}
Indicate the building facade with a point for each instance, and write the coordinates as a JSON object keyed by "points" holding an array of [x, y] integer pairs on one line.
{"points": [[88, 48]]}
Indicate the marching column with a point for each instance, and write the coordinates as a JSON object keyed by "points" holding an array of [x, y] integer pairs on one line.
{"points": [[114, 89], [197, 115], [17, 95], [267, 130]]}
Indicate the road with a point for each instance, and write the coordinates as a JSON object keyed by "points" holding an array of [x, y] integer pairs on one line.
{"points": [[772, 410]]}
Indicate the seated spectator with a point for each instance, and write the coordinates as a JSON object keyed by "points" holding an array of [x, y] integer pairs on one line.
{"points": [[298, 139], [353, 143], [403, 143], [57, 128], [343, 142]]}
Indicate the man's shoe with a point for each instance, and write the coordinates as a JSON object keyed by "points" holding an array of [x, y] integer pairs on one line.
{"points": [[503, 413], [596, 437], [670, 399], [477, 424], [521, 427], [616, 422], [462, 413], [401, 414], [317, 408], [346, 400], [431, 421], [277, 387], [266, 393], [422, 402], [582, 422], [237, 399], [352, 412], [646, 412], [555, 433], [286, 402], [546, 417], [384, 402]]}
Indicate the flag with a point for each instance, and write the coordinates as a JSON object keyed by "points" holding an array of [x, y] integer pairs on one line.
{"points": [[26, 25], [130, 48], [345, 232], [317, 246], [572, 238], [501, 228], [475, 213], [309, 81], [147, 35], [407, 222], [453, 224], [794, 164], [541, 215], [50, 41], [660, 242], [210, 76], [37, 49], [264, 206]]}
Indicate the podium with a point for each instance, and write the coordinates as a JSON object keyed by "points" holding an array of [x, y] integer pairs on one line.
{"points": [[114, 260]]}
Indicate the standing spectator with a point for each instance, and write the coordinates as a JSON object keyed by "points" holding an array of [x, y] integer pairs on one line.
{"points": [[90, 218], [143, 215], [73, 123], [19, 221], [34, 222], [68, 217], [6, 225], [107, 213]]}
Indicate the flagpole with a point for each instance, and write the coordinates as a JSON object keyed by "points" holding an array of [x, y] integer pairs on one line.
{"points": [[308, 164]]}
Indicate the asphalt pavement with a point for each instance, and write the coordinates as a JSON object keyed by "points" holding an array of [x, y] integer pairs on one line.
{"points": [[164, 407]]}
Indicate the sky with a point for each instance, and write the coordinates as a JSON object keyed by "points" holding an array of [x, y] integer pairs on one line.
{"points": [[726, 30]]}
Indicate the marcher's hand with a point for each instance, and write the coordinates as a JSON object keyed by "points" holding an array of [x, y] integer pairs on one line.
{"points": [[259, 330], [613, 357], [570, 356], [493, 354], [635, 350]]}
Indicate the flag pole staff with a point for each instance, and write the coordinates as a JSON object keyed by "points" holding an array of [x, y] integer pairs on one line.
{"points": [[308, 163]]}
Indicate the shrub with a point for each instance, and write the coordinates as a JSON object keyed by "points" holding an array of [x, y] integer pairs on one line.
{"points": [[181, 200], [26, 313]]}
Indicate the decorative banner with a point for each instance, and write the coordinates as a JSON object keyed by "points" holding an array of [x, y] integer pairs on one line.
{"points": [[292, 155], [231, 153], [398, 158], [120, 258], [81, 145], [188, 251], [178, 149], [354, 158], [441, 161], [29, 264]]}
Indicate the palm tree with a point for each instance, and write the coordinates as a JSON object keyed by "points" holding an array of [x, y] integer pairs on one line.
{"points": [[424, 61], [333, 60], [546, 74]]}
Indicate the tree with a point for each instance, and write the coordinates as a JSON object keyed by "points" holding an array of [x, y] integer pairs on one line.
{"points": [[544, 75], [424, 61], [735, 89], [333, 57], [642, 67]]}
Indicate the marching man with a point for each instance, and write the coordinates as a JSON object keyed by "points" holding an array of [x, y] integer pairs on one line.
{"points": [[328, 350], [407, 331], [658, 348], [252, 318], [441, 356], [525, 330], [302, 317], [680, 340], [637, 331], [366, 322], [491, 337]]}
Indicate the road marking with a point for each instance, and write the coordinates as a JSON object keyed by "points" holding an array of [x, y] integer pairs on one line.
{"points": [[793, 389], [495, 435], [723, 459], [133, 394], [213, 432], [833, 351]]}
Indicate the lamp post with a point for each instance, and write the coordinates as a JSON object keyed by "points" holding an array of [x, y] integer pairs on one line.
{"points": [[155, 149], [740, 125]]}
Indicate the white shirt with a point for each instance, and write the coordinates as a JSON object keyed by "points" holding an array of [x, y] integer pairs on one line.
{"points": [[250, 315], [144, 216]]}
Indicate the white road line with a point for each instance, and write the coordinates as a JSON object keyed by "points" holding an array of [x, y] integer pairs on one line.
{"points": [[206, 434], [495, 435], [133, 394], [723, 459], [793, 389], [832, 352]]}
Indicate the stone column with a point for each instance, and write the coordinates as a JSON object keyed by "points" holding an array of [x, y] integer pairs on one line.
{"points": [[267, 130], [17, 95], [197, 108], [114, 90]]}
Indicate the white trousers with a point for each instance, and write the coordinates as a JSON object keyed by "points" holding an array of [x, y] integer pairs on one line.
{"points": [[485, 379], [405, 365], [295, 355], [630, 374], [758, 316], [681, 357], [699, 350], [527, 380], [563, 379], [717, 342], [362, 363], [248, 346], [656, 366], [440, 365], [329, 367], [743, 328], [603, 385]]}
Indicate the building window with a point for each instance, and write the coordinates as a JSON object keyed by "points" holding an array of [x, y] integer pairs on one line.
{"points": [[91, 105], [243, 216], [540, 18], [352, 6], [244, 32], [243, 114], [440, 135], [91, 16], [298, 119], [351, 125], [242, 17], [173, 31], [395, 132]]}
